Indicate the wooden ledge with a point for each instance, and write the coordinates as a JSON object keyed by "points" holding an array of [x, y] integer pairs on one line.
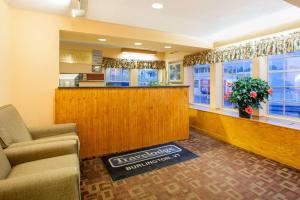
{"points": [[268, 120]]}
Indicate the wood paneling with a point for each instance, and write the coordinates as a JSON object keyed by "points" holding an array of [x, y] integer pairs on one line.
{"points": [[277, 143], [118, 119]]}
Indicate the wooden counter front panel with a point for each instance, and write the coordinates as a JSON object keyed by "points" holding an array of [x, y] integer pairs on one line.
{"points": [[119, 119]]}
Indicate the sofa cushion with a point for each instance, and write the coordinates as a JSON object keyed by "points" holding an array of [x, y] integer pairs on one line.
{"points": [[13, 124], [5, 139], [44, 165], [5, 166], [46, 140]]}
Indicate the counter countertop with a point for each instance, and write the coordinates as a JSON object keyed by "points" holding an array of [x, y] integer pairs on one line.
{"points": [[159, 86]]}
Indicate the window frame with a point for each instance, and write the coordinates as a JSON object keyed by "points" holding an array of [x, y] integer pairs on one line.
{"points": [[109, 81], [222, 84], [283, 116], [202, 104], [138, 78]]}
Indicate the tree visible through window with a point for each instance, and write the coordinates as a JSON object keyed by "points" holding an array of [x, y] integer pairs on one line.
{"points": [[284, 78], [232, 71], [202, 84]]}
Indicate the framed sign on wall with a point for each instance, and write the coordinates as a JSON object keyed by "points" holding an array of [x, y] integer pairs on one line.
{"points": [[175, 72]]}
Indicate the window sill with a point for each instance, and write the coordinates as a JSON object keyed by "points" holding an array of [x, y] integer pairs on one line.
{"points": [[268, 120]]}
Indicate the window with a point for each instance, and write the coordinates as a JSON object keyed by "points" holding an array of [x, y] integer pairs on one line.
{"points": [[231, 72], [284, 78], [147, 76], [202, 84], [117, 77]]}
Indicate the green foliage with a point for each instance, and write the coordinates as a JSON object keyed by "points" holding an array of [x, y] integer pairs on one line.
{"points": [[242, 88], [153, 83]]}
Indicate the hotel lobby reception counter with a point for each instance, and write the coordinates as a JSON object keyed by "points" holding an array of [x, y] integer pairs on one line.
{"points": [[115, 119]]}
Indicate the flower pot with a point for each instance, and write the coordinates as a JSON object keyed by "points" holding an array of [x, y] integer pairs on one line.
{"points": [[243, 114]]}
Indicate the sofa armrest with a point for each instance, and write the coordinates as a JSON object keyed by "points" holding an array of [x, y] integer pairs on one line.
{"points": [[60, 184], [21, 154], [52, 130]]}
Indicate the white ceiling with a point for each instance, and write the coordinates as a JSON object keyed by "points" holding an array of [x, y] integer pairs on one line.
{"points": [[53, 6], [116, 42], [210, 20]]}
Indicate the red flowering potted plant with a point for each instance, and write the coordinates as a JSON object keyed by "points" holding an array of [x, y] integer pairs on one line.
{"points": [[247, 94]]}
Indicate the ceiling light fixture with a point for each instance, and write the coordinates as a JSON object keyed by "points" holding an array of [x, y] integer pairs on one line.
{"points": [[77, 10], [168, 47], [157, 5], [138, 43], [78, 13], [102, 39], [138, 56]]}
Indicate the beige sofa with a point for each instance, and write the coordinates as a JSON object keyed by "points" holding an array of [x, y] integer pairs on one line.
{"points": [[28, 144], [55, 178]]}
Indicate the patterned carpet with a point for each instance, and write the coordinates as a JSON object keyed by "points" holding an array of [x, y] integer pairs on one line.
{"points": [[222, 172]]}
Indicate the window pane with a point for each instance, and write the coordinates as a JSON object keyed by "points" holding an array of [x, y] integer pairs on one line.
{"points": [[276, 108], [277, 95], [284, 77], [240, 69], [204, 99], [292, 78], [202, 84], [276, 64], [232, 71], [292, 95], [117, 75], [227, 104], [293, 63], [247, 74], [239, 76], [276, 79], [204, 90], [292, 110], [196, 91], [146, 76], [247, 66], [227, 69]]}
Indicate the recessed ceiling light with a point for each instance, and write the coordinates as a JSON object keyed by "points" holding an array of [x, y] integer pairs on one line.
{"points": [[168, 47], [157, 5], [102, 39], [138, 43]]}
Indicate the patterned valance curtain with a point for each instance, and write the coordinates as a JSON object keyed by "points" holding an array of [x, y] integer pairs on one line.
{"points": [[132, 64], [264, 47]]}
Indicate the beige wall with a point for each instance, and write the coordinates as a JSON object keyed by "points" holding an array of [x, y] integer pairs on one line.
{"points": [[285, 27], [35, 67], [187, 72], [175, 57], [87, 68], [35, 44], [5, 53], [35, 49]]}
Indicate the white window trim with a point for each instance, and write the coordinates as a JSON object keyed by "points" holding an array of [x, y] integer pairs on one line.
{"points": [[259, 70]]}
